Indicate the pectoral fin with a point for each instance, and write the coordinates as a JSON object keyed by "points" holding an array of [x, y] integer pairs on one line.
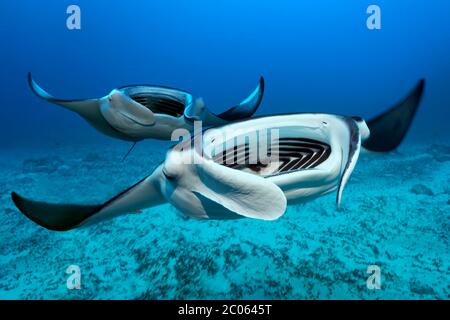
{"points": [[244, 110], [87, 107], [63, 217], [388, 129], [247, 107], [57, 217]]}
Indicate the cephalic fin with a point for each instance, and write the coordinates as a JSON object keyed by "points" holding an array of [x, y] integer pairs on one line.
{"points": [[240, 193], [352, 157]]}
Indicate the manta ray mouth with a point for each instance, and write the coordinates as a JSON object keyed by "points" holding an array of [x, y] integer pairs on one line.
{"points": [[159, 99], [161, 104], [289, 154]]}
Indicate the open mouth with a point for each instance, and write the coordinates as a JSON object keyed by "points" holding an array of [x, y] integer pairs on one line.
{"points": [[161, 104], [288, 154]]}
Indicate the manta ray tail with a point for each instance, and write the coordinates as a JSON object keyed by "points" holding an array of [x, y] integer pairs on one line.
{"points": [[129, 151], [388, 129]]}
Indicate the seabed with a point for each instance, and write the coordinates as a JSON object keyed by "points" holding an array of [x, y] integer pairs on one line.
{"points": [[395, 214]]}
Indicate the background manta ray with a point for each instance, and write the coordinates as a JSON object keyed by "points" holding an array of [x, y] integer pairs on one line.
{"points": [[138, 112], [315, 155]]}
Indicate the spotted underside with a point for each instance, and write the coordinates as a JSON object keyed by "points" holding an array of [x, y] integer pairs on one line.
{"points": [[288, 155]]}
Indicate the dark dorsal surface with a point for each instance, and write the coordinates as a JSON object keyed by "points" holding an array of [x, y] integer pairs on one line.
{"points": [[288, 155], [388, 129], [56, 217]]}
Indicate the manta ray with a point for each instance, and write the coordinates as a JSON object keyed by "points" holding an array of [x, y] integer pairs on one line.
{"points": [[137, 112], [309, 155]]}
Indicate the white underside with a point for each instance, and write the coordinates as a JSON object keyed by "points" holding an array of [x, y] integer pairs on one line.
{"points": [[260, 194]]}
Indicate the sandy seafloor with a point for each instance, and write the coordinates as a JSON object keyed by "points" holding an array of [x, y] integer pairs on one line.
{"points": [[395, 214]]}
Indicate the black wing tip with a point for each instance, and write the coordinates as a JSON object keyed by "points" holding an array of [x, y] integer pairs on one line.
{"points": [[54, 217], [16, 198], [30, 81], [384, 136], [416, 93], [246, 110], [20, 203], [43, 94], [33, 85], [261, 92], [262, 85], [260, 88], [420, 87], [422, 83]]}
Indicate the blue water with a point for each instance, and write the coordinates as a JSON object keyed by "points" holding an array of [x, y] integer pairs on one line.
{"points": [[315, 56]]}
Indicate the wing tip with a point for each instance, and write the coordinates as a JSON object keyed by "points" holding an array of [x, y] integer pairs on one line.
{"points": [[31, 83], [247, 107], [37, 90], [262, 83], [262, 87], [259, 92], [422, 83], [20, 203], [54, 217], [379, 141], [16, 198], [418, 90]]}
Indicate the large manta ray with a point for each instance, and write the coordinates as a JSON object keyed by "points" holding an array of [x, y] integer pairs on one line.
{"points": [[138, 112], [311, 155]]}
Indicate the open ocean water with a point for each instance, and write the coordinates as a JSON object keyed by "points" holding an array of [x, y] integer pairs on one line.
{"points": [[316, 56]]}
